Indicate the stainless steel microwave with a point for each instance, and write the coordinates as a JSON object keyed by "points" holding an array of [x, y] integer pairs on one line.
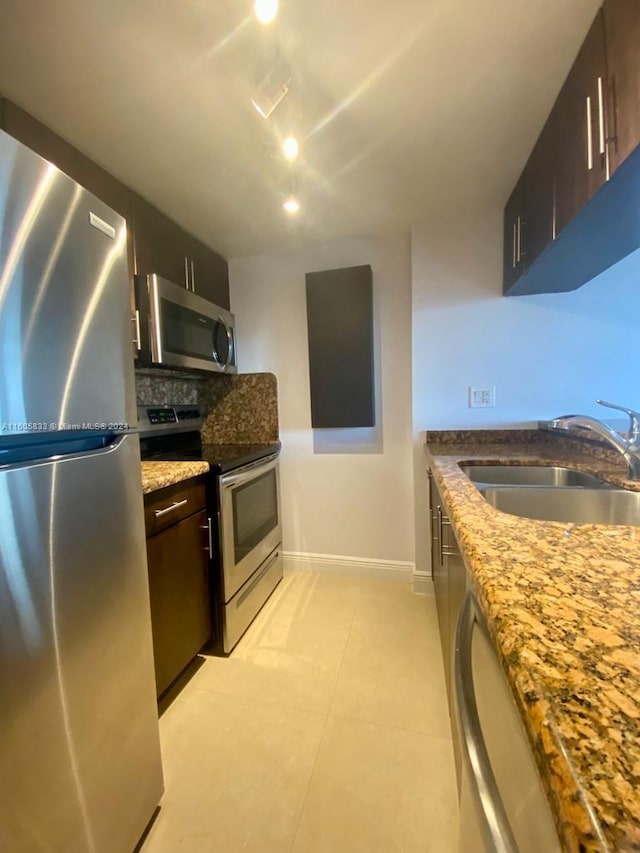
{"points": [[178, 329]]}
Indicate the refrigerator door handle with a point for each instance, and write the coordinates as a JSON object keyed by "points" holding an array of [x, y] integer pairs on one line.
{"points": [[28, 455]]}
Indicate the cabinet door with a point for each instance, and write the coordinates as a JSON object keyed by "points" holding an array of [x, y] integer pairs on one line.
{"points": [[581, 128], [210, 273], [513, 265], [161, 246], [622, 32], [179, 593], [538, 228]]}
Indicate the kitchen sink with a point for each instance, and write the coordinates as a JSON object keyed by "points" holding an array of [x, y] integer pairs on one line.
{"points": [[533, 475], [586, 506]]}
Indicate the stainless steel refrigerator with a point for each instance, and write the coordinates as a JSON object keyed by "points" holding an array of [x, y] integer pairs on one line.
{"points": [[80, 762]]}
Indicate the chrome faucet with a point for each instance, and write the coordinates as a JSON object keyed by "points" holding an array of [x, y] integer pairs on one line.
{"points": [[629, 447]]}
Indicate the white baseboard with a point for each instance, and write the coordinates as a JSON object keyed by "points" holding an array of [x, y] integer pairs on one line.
{"points": [[423, 583], [351, 566]]}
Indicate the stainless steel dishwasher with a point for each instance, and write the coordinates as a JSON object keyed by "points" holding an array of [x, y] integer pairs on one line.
{"points": [[503, 806]]}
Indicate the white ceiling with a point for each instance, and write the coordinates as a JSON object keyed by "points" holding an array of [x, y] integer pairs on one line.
{"points": [[406, 109]]}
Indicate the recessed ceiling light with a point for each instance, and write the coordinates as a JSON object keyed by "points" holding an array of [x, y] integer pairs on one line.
{"points": [[291, 205], [290, 148], [265, 10]]}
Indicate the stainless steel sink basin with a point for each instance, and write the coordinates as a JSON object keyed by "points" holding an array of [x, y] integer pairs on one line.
{"points": [[588, 506], [533, 475]]}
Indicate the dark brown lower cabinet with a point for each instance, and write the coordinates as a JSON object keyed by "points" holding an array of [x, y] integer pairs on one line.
{"points": [[179, 593]]}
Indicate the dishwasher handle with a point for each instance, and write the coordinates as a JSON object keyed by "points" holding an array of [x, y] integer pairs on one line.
{"points": [[497, 832]]}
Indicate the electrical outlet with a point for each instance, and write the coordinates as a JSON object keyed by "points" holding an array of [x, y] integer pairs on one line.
{"points": [[482, 398]]}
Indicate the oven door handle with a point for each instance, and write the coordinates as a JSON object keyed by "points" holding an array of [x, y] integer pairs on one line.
{"points": [[248, 472]]}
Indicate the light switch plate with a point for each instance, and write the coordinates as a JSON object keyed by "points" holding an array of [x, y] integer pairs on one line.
{"points": [[482, 397]]}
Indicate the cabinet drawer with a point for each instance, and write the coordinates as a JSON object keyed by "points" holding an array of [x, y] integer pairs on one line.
{"points": [[168, 506]]}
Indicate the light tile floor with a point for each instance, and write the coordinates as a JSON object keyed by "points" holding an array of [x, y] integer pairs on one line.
{"points": [[325, 731]]}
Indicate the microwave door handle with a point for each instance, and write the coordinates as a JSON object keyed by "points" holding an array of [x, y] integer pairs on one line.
{"points": [[214, 348], [229, 343], [231, 346], [155, 321]]}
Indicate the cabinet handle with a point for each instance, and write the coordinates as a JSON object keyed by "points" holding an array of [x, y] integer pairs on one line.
{"points": [[601, 115], [137, 341], [187, 280], [497, 831], [443, 522], [604, 137], [514, 244], [589, 144], [207, 527], [176, 505], [449, 549], [193, 277]]}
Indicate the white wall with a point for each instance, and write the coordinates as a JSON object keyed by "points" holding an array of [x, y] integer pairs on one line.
{"points": [[357, 502], [547, 355]]}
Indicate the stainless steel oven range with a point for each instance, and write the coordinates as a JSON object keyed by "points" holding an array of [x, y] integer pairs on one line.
{"points": [[243, 497], [250, 542]]}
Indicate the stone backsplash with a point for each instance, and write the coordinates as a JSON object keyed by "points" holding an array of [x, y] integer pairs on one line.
{"points": [[240, 409], [163, 389]]}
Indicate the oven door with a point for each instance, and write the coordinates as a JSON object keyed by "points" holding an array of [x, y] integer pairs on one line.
{"points": [[188, 331], [249, 520]]}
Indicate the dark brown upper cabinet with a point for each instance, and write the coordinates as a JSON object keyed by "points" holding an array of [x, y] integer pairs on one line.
{"points": [[539, 187], [529, 215], [160, 245], [514, 219], [580, 117], [163, 247], [575, 205], [622, 34]]}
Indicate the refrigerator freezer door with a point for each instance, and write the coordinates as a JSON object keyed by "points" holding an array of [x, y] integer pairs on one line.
{"points": [[65, 331], [80, 762]]}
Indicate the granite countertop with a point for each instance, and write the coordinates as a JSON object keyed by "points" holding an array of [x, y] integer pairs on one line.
{"points": [[157, 475], [562, 602]]}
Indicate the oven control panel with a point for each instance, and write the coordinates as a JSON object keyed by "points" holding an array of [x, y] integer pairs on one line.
{"points": [[162, 416], [158, 419]]}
